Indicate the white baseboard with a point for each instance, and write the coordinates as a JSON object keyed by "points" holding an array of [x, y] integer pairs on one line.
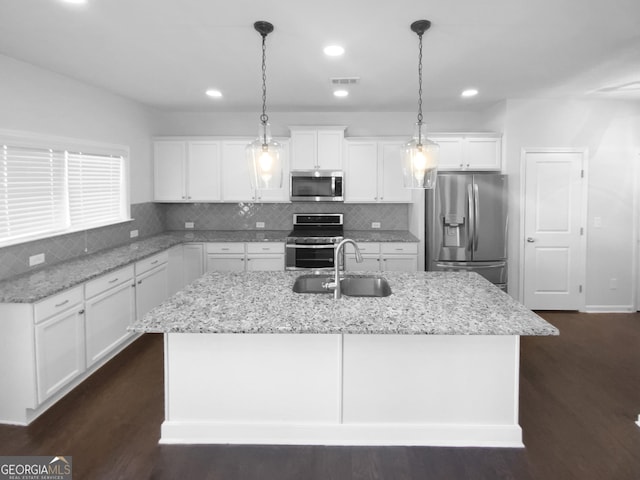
{"points": [[392, 434], [609, 309]]}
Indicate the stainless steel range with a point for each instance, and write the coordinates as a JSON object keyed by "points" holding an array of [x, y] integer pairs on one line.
{"points": [[310, 245]]}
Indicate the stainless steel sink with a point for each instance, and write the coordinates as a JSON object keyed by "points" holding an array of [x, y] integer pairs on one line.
{"points": [[351, 285], [365, 286], [311, 284]]}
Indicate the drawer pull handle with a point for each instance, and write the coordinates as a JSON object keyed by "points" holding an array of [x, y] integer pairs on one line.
{"points": [[154, 262], [225, 249], [399, 249], [114, 280], [62, 303]]}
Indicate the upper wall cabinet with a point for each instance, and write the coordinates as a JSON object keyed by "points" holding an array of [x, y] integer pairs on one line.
{"points": [[186, 171], [316, 148], [474, 152], [373, 172]]}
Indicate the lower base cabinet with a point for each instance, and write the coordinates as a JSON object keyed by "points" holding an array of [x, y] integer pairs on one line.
{"points": [[107, 317], [241, 257], [59, 351], [391, 257]]}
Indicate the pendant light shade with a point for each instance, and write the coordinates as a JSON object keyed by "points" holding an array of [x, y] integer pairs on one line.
{"points": [[263, 154], [420, 155]]}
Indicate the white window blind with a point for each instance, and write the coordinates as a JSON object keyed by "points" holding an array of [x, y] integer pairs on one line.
{"points": [[95, 189], [32, 192], [50, 191]]}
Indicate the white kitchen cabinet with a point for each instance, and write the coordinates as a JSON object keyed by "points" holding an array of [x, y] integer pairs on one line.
{"points": [[265, 256], [109, 310], [240, 257], [59, 351], [472, 152], [393, 256], [316, 148], [59, 341], [236, 183], [152, 283], [186, 171], [193, 262], [373, 172]]}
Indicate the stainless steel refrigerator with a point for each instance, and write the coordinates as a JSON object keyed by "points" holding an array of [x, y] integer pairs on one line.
{"points": [[466, 225]]}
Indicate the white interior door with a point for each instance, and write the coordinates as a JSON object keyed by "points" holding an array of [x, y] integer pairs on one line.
{"points": [[553, 235]]}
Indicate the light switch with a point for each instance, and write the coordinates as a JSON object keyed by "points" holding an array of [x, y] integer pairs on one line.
{"points": [[189, 224]]}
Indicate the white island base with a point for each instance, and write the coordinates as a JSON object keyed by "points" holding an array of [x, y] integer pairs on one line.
{"points": [[335, 389]]}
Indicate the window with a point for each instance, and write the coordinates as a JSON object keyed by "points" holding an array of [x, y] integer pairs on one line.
{"points": [[50, 191]]}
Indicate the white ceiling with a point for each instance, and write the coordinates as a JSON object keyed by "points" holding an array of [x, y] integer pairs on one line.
{"points": [[166, 53]]}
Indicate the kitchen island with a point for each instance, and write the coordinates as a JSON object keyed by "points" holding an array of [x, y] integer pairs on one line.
{"points": [[247, 360]]}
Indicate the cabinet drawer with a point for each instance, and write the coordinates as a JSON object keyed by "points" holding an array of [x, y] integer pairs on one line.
{"points": [[400, 247], [265, 247], [104, 283], [58, 303], [365, 247], [225, 247], [151, 262]]}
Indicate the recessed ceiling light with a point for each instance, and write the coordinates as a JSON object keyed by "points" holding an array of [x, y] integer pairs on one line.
{"points": [[214, 93], [333, 50], [76, 2], [470, 92], [341, 93]]}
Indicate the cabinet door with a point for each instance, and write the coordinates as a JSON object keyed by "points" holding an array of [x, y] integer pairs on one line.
{"points": [[361, 172], [390, 181], [169, 158], [203, 172], [193, 258], [370, 263], [152, 288], [225, 263], [262, 263], [107, 317], [482, 153], [304, 149], [330, 145], [451, 157], [236, 184], [174, 269], [400, 263], [59, 351]]}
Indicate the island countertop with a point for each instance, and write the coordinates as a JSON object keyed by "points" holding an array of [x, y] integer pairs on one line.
{"points": [[427, 303]]}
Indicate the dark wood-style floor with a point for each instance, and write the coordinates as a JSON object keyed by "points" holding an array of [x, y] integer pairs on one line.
{"points": [[579, 400]]}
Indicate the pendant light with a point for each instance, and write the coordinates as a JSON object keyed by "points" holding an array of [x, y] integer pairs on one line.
{"points": [[420, 155], [263, 153]]}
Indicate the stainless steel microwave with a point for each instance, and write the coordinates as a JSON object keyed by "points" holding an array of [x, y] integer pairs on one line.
{"points": [[316, 186]]}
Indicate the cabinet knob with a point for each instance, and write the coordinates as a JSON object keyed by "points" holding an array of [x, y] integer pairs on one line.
{"points": [[467, 165], [381, 198], [81, 312]]}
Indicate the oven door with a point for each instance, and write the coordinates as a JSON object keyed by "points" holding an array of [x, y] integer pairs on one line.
{"points": [[309, 256]]}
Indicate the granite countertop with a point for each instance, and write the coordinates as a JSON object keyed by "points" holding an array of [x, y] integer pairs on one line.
{"points": [[37, 285], [380, 236], [433, 303]]}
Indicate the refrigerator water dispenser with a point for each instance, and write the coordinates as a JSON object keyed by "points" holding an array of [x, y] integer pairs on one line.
{"points": [[452, 225]]}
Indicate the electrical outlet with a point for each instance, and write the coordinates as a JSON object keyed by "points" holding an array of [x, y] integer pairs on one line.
{"points": [[613, 283], [375, 224], [259, 224], [189, 224], [36, 259], [133, 233]]}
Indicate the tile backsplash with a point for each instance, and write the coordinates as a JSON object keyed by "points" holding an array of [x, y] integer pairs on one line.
{"points": [[279, 216], [151, 219], [148, 219]]}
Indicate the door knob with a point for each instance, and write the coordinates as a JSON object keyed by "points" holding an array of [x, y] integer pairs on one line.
{"points": [[531, 239]]}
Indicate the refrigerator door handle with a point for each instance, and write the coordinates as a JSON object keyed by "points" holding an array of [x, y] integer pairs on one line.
{"points": [[471, 224], [462, 265], [476, 214]]}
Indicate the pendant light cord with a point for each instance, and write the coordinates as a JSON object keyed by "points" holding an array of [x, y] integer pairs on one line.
{"points": [[264, 117], [420, 89]]}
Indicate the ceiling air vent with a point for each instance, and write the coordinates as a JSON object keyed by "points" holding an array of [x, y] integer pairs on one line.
{"points": [[345, 81]]}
